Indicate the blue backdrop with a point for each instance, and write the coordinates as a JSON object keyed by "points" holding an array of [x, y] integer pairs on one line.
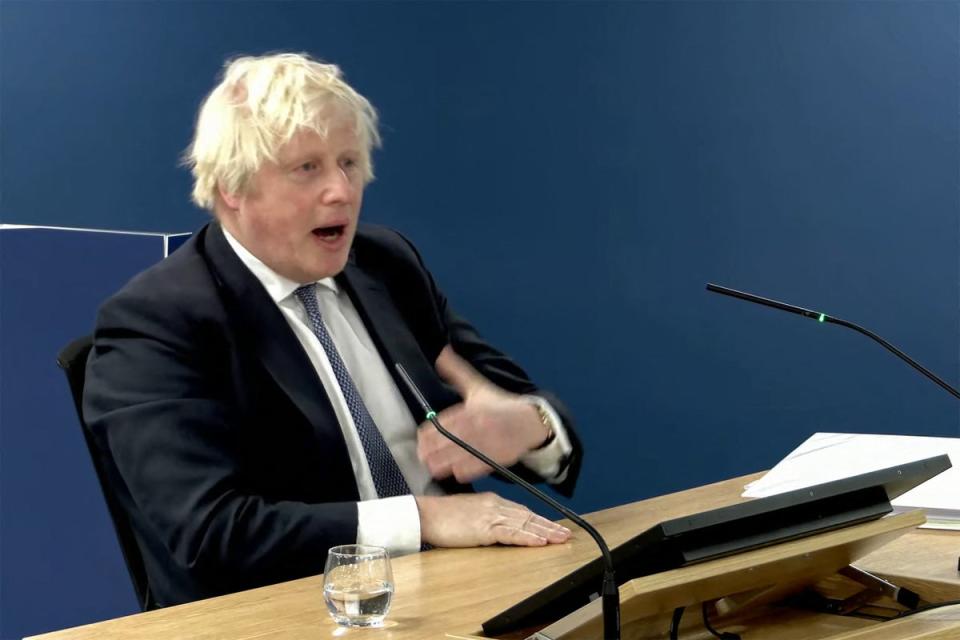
{"points": [[574, 173]]}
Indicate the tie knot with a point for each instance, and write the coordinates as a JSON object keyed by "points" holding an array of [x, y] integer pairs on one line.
{"points": [[305, 289], [306, 292]]}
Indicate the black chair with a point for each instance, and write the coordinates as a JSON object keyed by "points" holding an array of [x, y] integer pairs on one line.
{"points": [[73, 360]]}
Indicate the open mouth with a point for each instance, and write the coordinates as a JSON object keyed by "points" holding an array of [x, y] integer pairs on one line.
{"points": [[333, 232]]}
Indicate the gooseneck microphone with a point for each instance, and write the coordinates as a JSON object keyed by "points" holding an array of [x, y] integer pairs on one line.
{"points": [[822, 317], [609, 593]]}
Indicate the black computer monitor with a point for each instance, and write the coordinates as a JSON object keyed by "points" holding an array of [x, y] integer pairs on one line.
{"points": [[723, 532]]}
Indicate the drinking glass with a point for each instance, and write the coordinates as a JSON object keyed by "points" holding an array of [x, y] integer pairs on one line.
{"points": [[358, 585]]}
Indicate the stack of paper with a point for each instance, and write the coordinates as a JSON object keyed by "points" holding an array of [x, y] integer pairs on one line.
{"points": [[831, 456]]}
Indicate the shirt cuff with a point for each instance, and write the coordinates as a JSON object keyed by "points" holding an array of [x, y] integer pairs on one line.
{"points": [[392, 523], [550, 462]]}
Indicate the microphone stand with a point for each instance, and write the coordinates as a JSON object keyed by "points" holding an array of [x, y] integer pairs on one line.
{"points": [[610, 592], [822, 317]]}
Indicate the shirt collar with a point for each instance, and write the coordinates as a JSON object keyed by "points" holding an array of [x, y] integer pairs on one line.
{"points": [[278, 287]]}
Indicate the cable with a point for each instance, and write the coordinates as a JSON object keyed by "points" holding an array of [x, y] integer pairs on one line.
{"points": [[675, 624], [860, 613], [723, 635]]}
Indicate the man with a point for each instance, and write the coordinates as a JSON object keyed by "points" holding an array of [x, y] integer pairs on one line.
{"points": [[244, 391]]}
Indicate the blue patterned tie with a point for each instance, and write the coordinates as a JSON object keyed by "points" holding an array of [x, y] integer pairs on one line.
{"points": [[387, 478]]}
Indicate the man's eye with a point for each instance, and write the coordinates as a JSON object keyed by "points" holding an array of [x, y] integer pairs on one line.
{"points": [[307, 167], [349, 163]]}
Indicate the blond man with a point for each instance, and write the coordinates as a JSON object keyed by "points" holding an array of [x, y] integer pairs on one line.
{"points": [[243, 390]]}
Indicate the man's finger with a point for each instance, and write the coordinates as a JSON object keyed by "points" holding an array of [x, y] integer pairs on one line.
{"points": [[441, 465], [429, 439], [456, 462], [450, 417], [552, 531], [438, 464], [452, 460], [505, 534], [468, 469], [458, 372]]}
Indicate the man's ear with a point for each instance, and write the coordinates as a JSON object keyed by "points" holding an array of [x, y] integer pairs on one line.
{"points": [[231, 200]]}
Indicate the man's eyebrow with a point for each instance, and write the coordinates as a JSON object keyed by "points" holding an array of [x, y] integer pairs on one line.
{"points": [[296, 158]]}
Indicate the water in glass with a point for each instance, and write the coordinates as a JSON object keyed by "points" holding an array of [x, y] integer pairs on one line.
{"points": [[358, 585]]}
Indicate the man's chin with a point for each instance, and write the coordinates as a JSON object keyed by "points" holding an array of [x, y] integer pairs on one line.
{"points": [[328, 268]]}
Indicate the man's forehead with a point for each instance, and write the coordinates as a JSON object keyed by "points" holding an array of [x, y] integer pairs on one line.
{"points": [[339, 136]]}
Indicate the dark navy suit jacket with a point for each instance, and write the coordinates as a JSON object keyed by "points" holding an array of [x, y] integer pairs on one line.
{"points": [[220, 441]]}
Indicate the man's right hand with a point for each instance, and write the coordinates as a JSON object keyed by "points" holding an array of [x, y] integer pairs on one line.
{"points": [[481, 519]]}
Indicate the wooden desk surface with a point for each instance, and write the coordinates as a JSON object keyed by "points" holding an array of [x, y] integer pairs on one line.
{"points": [[446, 590]]}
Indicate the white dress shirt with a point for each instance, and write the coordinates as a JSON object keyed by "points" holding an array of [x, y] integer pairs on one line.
{"points": [[393, 523]]}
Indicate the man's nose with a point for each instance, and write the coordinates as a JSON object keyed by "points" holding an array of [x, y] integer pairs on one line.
{"points": [[337, 188]]}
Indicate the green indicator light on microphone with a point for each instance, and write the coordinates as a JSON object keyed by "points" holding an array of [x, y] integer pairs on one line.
{"points": [[822, 317], [431, 415]]}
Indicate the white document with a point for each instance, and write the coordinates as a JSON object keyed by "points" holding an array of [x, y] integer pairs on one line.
{"points": [[832, 456]]}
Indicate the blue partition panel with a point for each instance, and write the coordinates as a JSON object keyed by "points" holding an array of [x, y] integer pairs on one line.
{"points": [[60, 563]]}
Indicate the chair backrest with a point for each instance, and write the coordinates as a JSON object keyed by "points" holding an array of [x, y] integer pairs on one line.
{"points": [[73, 360]]}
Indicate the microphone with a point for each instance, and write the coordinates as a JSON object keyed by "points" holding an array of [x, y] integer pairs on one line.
{"points": [[822, 317], [609, 592]]}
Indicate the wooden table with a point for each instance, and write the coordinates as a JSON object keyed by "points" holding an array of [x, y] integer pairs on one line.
{"points": [[449, 592]]}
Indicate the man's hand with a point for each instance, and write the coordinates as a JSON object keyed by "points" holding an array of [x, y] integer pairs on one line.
{"points": [[480, 519], [498, 423]]}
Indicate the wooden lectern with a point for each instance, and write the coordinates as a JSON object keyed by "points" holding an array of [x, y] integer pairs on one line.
{"points": [[448, 593], [743, 587]]}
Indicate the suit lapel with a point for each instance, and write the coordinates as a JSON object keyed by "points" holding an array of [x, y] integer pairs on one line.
{"points": [[396, 344], [284, 358], [270, 335], [393, 339]]}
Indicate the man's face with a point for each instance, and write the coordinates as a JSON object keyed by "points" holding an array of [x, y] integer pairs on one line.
{"points": [[299, 216]]}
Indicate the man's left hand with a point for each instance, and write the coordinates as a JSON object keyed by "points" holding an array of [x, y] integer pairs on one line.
{"points": [[498, 423]]}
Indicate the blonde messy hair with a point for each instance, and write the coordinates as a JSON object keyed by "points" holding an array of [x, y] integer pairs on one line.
{"points": [[259, 105]]}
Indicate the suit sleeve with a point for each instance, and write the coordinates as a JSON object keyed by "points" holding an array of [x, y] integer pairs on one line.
{"points": [[158, 402]]}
